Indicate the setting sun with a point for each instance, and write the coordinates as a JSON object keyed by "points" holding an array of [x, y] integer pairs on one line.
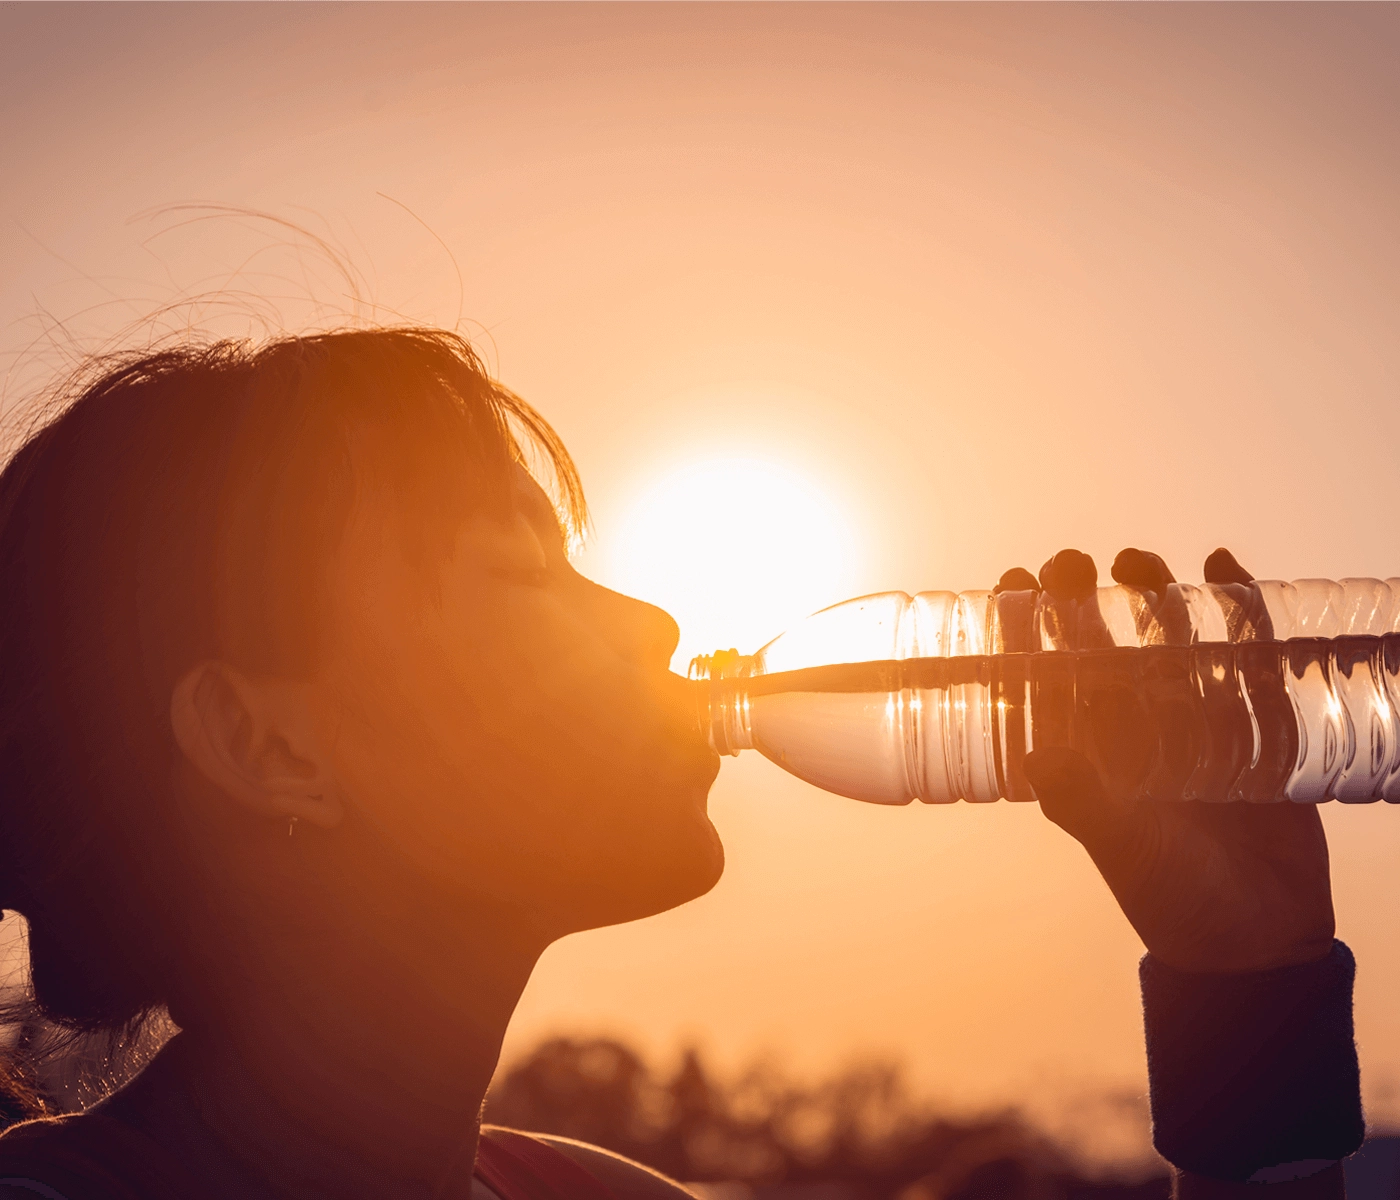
{"points": [[736, 549]]}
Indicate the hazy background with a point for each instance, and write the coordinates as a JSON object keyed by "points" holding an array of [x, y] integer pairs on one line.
{"points": [[985, 281]]}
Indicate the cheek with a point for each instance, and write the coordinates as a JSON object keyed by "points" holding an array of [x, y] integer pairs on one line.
{"points": [[451, 746], [406, 747], [526, 677], [512, 749]]}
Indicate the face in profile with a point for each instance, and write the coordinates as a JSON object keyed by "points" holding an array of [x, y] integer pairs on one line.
{"points": [[510, 730]]}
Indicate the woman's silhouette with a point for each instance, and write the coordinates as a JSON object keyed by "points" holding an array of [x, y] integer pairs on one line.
{"points": [[311, 735]]}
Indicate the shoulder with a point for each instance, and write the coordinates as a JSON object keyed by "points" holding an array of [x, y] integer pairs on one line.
{"points": [[39, 1157], [628, 1180], [37, 1139], [85, 1157]]}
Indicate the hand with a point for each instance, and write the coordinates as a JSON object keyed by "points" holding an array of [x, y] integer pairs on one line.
{"points": [[1208, 887]]}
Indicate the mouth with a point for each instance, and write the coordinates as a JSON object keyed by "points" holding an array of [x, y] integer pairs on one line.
{"points": [[681, 739], [696, 797], [696, 769], [699, 763]]}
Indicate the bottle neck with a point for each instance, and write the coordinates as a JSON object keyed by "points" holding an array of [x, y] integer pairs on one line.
{"points": [[722, 700]]}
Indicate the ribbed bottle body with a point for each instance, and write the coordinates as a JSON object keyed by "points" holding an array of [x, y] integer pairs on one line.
{"points": [[1262, 692]]}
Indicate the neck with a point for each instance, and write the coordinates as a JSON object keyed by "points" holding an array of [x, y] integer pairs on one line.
{"points": [[356, 1059]]}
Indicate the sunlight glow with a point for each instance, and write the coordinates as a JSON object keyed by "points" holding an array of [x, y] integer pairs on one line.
{"points": [[736, 549]]}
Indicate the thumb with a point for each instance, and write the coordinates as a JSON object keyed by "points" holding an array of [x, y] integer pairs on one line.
{"points": [[1072, 795]]}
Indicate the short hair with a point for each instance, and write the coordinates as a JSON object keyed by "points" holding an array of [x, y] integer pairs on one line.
{"points": [[186, 504]]}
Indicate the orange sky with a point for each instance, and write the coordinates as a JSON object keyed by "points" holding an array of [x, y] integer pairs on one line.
{"points": [[1003, 278]]}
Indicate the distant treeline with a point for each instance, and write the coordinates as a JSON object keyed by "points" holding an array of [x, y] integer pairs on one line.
{"points": [[860, 1128]]}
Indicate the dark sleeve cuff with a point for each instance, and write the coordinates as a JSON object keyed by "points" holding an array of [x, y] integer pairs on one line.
{"points": [[1252, 1070]]}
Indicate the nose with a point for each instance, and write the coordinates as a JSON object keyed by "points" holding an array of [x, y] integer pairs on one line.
{"points": [[640, 631], [655, 631]]}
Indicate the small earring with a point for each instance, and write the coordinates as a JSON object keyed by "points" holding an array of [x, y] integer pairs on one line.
{"points": [[291, 826]]}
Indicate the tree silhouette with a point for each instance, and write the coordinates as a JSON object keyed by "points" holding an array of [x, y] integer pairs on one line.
{"points": [[860, 1128]]}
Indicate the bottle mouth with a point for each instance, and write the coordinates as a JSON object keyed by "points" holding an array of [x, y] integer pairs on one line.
{"points": [[722, 700], [722, 664]]}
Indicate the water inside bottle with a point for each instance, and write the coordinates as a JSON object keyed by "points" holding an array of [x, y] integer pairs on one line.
{"points": [[1255, 721], [1274, 727], [1112, 725], [1322, 738], [1228, 730], [1358, 676]]}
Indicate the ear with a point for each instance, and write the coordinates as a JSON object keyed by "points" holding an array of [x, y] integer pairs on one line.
{"points": [[259, 741]]}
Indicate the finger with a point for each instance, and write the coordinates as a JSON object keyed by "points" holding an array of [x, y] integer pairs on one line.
{"points": [[1223, 567], [1070, 575], [1072, 795], [1018, 579], [1142, 569]]}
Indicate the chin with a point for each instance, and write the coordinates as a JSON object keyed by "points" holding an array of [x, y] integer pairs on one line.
{"points": [[670, 871], [707, 865]]}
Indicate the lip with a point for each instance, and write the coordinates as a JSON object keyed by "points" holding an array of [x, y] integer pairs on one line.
{"points": [[683, 741], [701, 769], [697, 793], [698, 762]]}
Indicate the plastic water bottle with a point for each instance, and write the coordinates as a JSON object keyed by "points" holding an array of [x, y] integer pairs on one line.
{"points": [[1258, 692]]}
